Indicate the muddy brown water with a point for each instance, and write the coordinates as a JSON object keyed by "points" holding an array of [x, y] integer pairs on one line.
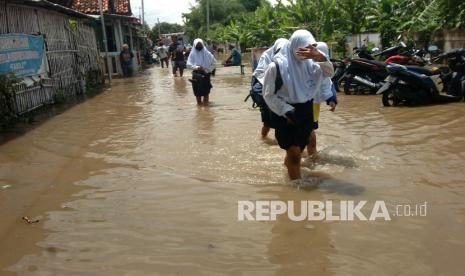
{"points": [[140, 181]]}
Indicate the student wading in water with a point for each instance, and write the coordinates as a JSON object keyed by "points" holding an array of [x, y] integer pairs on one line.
{"points": [[202, 63], [326, 93], [258, 79], [302, 69]]}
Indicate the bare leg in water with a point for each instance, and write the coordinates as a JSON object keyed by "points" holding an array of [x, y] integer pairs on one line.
{"points": [[199, 100], [265, 131], [311, 148], [292, 162], [206, 100]]}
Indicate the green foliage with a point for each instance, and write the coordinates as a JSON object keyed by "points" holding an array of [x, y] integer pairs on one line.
{"points": [[165, 28], [73, 24], [257, 23], [250, 5]]}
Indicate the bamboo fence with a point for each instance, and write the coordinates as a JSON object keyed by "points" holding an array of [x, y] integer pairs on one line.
{"points": [[71, 51]]}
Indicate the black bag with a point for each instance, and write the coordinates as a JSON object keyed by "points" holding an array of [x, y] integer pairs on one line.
{"points": [[256, 91], [255, 94]]}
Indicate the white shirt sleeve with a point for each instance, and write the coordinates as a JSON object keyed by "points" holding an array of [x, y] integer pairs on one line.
{"points": [[325, 92], [190, 61], [212, 64], [276, 103], [327, 68]]}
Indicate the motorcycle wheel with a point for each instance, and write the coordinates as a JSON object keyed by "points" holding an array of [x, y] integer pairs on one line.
{"points": [[339, 85], [337, 79], [352, 87], [388, 98]]}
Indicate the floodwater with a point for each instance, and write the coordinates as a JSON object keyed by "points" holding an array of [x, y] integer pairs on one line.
{"points": [[140, 181]]}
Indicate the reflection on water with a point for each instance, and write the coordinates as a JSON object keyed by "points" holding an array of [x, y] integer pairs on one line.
{"points": [[141, 181]]}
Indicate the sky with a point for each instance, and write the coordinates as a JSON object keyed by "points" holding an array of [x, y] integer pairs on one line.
{"points": [[166, 10]]}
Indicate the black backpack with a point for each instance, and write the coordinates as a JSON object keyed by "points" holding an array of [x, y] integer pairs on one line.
{"points": [[256, 91]]}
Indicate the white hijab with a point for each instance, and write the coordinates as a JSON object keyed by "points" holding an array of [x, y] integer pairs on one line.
{"points": [[201, 58], [267, 58], [301, 77]]}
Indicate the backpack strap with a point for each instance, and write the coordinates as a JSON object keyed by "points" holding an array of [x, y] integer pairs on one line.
{"points": [[278, 83]]}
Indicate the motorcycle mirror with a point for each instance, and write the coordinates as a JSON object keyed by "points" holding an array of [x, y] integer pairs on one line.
{"points": [[403, 44], [433, 48], [399, 37], [374, 50]]}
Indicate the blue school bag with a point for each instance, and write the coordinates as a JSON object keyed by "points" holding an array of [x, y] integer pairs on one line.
{"points": [[256, 91]]}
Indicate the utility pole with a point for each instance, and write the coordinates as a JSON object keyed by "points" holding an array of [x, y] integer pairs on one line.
{"points": [[159, 29], [208, 18], [105, 41], [143, 17]]}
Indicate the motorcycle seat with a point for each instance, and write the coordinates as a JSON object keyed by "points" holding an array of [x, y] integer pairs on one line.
{"points": [[378, 64], [420, 70]]}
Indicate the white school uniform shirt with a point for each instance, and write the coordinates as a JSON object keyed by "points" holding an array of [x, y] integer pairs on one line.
{"points": [[280, 102], [325, 91]]}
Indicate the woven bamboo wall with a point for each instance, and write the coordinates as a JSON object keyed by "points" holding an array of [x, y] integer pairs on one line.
{"points": [[3, 19], [71, 50]]}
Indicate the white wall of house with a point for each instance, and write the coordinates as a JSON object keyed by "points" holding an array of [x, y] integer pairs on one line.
{"points": [[359, 40], [119, 39]]}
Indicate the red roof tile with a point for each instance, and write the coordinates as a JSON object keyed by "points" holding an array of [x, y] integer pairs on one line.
{"points": [[122, 7]]}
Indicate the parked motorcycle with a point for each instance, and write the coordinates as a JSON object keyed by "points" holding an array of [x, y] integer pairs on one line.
{"points": [[363, 52], [411, 57], [391, 51], [414, 86], [339, 69], [367, 76]]}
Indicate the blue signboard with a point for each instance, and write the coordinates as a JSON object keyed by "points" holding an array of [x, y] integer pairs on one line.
{"points": [[21, 54]]}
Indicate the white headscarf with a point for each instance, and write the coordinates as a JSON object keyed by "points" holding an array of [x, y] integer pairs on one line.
{"points": [[201, 58], [267, 58], [301, 77], [323, 47]]}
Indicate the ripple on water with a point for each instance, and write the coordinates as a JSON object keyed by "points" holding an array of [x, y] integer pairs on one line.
{"points": [[163, 198]]}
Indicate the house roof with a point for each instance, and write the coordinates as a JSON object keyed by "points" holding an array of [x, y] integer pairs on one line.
{"points": [[64, 3], [122, 7], [52, 5]]}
